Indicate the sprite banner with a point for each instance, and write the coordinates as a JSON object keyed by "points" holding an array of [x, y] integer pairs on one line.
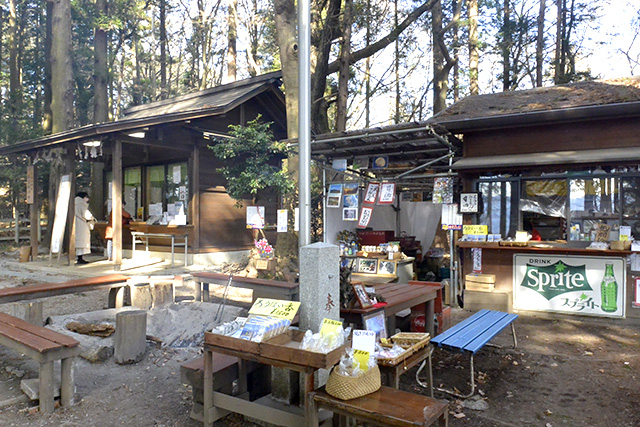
{"points": [[570, 284]]}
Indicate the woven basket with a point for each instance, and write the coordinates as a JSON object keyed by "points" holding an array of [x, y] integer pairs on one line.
{"points": [[345, 387]]}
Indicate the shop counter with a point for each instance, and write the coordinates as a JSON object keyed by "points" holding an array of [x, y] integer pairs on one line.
{"points": [[562, 277]]}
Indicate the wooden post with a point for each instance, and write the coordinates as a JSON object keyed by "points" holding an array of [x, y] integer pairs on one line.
{"points": [[34, 211], [194, 210], [116, 204], [70, 164]]}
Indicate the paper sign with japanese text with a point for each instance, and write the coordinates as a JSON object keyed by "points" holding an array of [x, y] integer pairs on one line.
{"points": [[372, 192], [275, 308], [363, 358], [329, 327], [283, 218], [476, 230], [365, 217], [387, 193], [364, 340]]}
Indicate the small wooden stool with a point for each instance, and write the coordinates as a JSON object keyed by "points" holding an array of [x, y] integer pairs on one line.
{"points": [[385, 407], [391, 373]]}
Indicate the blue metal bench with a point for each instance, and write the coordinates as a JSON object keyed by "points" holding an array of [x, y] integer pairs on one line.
{"points": [[470, 335]]}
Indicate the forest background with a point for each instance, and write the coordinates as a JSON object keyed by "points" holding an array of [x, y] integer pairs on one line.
{"points": [[65, 64]]}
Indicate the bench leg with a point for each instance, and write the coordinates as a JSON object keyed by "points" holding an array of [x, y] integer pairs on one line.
{"points": [[67, 384], [513, 332], [46, 387], [311, 411], [426, 362], [473, 385]]}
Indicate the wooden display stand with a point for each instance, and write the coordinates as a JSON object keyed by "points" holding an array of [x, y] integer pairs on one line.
{"points": [[282, 351]]}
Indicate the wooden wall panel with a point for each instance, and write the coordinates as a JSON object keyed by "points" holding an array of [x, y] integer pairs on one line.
{"points": [[571, 136]]}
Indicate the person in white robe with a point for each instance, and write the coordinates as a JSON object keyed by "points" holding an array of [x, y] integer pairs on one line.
{"points": [[84, 225]]}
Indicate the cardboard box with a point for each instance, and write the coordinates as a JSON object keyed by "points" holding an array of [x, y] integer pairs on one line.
{"points": [[265, 264], [444, 320], [497, 300], [481, 278], [480, 287]]}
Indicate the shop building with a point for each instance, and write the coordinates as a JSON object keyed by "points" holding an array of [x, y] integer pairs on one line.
{"points": [[561, 163]]}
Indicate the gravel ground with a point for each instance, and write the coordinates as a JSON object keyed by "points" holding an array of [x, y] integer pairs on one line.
{"points": [[566, 371]]}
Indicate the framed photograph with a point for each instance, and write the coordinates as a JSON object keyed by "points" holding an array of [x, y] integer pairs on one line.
{"points": [[361, 295], [350, 214], [367, 265], [334, 195], [375, 321], [469, 202], [387, 267]]}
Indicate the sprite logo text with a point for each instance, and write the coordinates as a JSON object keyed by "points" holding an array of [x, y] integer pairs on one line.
{"points": [[556, 279]]}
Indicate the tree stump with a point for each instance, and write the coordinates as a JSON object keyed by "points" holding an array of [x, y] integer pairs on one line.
{"points": [[130, 342]]}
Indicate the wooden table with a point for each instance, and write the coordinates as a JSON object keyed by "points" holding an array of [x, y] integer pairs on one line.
{"points": [[398, 296], [276, 352], [262, 288], [373, 279], [391, 373]]}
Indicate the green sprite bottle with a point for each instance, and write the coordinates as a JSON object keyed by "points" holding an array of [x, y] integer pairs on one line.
{"points": [[609, 290]]}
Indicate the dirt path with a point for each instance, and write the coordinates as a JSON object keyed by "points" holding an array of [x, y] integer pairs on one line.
{"points": [[566, 371]]}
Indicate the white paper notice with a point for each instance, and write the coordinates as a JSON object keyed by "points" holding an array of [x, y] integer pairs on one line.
{"points": [[283, 215], [625, 232], [177, 175], [255, 217], [155, 209], [182, 193], [364, 340], [171, 209]]}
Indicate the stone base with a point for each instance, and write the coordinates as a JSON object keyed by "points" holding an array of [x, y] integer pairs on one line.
{"points": [[31, 388], [496, 300]]}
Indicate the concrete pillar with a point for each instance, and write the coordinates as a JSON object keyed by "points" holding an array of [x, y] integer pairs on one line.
{"points": [[30, 312], [141, 296], [319, 285], [320, 298], [131, 336]]}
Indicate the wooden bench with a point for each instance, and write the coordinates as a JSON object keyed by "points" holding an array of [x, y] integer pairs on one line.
{"points": [[262, 288], [113, 282], [225, 371], [385, 407], [44, 346], [471, 335]]}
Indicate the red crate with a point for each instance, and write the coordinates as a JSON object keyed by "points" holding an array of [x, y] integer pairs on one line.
{"points": [[374, 237]]}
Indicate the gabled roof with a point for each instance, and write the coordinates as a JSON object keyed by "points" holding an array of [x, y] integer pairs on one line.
{"points": [[563, 103], [220, 97], [209, 102]]}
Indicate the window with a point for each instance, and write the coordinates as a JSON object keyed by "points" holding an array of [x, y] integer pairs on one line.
{"points": [[499, 207], [167, 190], [593, 201]]}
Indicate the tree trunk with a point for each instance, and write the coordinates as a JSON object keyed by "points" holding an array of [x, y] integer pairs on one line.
{"points": [[472, 9], [540, 43], [396, 66], [163, 50], [61, 71], [343, 79], [367, 72], [252, 52], [15, 77], [506, 45], [232, 39], [559, 62], [440, 84], [286, 36], [100, 104]]}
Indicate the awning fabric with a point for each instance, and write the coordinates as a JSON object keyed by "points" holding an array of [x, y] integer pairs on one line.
{"points": [[601, 156]]}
